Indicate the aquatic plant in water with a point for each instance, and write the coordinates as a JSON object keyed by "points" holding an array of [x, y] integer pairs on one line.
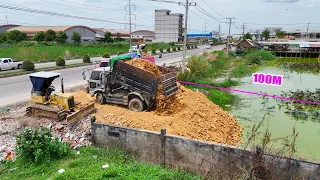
{"points": [[313, 67], [301, 111]]}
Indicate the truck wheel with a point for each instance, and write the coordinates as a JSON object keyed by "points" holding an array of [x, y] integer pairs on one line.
{"points": [[19, 66], [100, 99], [136, 105]]}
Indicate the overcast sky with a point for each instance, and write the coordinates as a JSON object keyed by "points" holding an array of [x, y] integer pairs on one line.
{"points": [[289, 14]]}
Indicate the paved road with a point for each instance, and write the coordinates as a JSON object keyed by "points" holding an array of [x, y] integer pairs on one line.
{"points": [[18, 88]]}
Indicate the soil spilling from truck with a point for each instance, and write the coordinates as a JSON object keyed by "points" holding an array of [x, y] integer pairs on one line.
{"points": [[194, 116]]}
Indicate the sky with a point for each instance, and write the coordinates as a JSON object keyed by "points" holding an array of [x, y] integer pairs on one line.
{"points": [[207, 15]]}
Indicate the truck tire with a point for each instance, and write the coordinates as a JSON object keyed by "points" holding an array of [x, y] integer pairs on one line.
{"points": [[19, 66], [136, 105], [100, 99]]}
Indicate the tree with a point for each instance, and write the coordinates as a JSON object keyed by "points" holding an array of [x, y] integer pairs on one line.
{"points": [[61, 38], [50, 35], [16, 36], [107, 37], [266, 34], [76, 37], [40, 36], [280, 34], [60, 61], [247, 36], [3, 37], [28, 65]]}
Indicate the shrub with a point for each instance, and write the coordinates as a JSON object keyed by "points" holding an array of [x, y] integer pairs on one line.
{"points": [[86, 59], [256, 57], [171, 43], [60, 61], [179, 48], [39, 146], [196, 46], [119, 53], [168, 49], [161, 50], [188, 47], [28, 65], [153, 51], [174, 49], [106, 55]]}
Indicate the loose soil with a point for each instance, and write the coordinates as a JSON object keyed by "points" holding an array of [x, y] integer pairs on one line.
{"points": [[192, 116]]}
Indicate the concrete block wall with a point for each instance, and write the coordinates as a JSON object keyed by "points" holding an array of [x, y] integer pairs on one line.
{"points": [[205, 158]]}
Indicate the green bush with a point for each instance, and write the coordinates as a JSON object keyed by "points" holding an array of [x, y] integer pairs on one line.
{"points": [[196, 46], [153, 51], [168, 49], [161, 50], [256, 57], [39, 146], [119, 53], [106, 55], [60, 61], [174, 49], [188, 47], [171, 43], [179, 48], [86, 59], [28, 65]]}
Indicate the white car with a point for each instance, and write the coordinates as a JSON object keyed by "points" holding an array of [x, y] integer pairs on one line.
{"points": [[208, 46], [133, 48], [8, 63]]}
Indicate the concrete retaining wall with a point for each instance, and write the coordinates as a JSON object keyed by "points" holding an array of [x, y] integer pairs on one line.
{"points": [[205, 158]]}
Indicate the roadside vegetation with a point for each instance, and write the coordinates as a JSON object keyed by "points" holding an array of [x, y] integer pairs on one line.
{"points": [[40, 156]]}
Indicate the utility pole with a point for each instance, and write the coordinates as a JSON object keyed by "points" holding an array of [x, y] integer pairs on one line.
{"points": [[219, 32], [307, 32], [187, 4], [243, 28], [230, 22], [130, 20]]}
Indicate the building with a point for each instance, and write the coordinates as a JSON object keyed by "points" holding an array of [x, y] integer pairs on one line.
{"points": [[247, 44], [115, 33], [199, 35], [87, 34], [312, 34], [273, 31], [168, 26], [144, 35], [4, 28]]}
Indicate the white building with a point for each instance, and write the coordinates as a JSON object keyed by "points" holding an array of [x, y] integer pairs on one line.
{"points": [[168, 26]]}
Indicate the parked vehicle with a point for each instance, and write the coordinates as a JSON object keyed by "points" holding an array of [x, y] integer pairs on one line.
{"points": [[128, 85], [8, 63], [208, 46], [105, 62]]}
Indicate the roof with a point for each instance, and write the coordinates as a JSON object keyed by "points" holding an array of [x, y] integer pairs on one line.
{"points": [[43, 74], [5, 25], [102, 69], [291, 43], [112, 31], [35, 29], [249, 41], [143, 31]]}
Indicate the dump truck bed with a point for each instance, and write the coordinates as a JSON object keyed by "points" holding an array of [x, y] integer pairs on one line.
{"points": [[145, 81]]}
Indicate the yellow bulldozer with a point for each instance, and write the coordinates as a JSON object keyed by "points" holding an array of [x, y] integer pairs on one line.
{"points": [[55, 105]]}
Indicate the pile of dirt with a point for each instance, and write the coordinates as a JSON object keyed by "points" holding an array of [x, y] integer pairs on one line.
{"points": [[191, 115], [146, 65]]}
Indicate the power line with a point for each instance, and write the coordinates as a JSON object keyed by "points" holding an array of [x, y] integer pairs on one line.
{"points": [[213, 9], [207, 14], [85, 6], [200, 16]]}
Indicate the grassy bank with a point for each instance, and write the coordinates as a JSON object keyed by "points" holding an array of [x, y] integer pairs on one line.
{"points": [[88, 165]]}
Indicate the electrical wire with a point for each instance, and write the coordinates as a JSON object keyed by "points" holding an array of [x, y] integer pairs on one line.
{"points": [[86, 5], [199, 8], [213, 9], [200, 16]]}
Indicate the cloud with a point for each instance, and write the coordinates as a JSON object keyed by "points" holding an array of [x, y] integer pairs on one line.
{"points": [[281, 1]]}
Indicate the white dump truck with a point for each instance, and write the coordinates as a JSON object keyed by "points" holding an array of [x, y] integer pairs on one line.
{"points": [[8, 63]]}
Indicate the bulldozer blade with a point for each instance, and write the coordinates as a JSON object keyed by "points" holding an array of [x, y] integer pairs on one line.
{"points": [[80, 114]]}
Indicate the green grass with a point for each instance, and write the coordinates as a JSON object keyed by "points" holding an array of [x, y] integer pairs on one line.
{"points": [[85, 166], [21, 71], [297, 60]]}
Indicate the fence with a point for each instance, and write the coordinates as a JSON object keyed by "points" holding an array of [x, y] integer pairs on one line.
{"points": [[205, 158]]}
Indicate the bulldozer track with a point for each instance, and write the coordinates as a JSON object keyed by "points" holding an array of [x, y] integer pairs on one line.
{"points": [[48, 111]]}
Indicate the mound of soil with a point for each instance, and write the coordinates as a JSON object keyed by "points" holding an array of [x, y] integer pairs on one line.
{"points": [[189, 114]]}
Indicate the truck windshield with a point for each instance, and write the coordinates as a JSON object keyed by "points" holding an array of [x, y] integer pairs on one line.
{"points": [[104, 64], [95, 75]]}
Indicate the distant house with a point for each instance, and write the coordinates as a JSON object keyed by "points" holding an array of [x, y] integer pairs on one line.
{"points": [[247, 44], [144, 35]]}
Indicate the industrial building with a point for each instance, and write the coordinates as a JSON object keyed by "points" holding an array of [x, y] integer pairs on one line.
{"points": [[87, 34], [4, 28], [144, 35], [168, 26], [115, 33]]}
